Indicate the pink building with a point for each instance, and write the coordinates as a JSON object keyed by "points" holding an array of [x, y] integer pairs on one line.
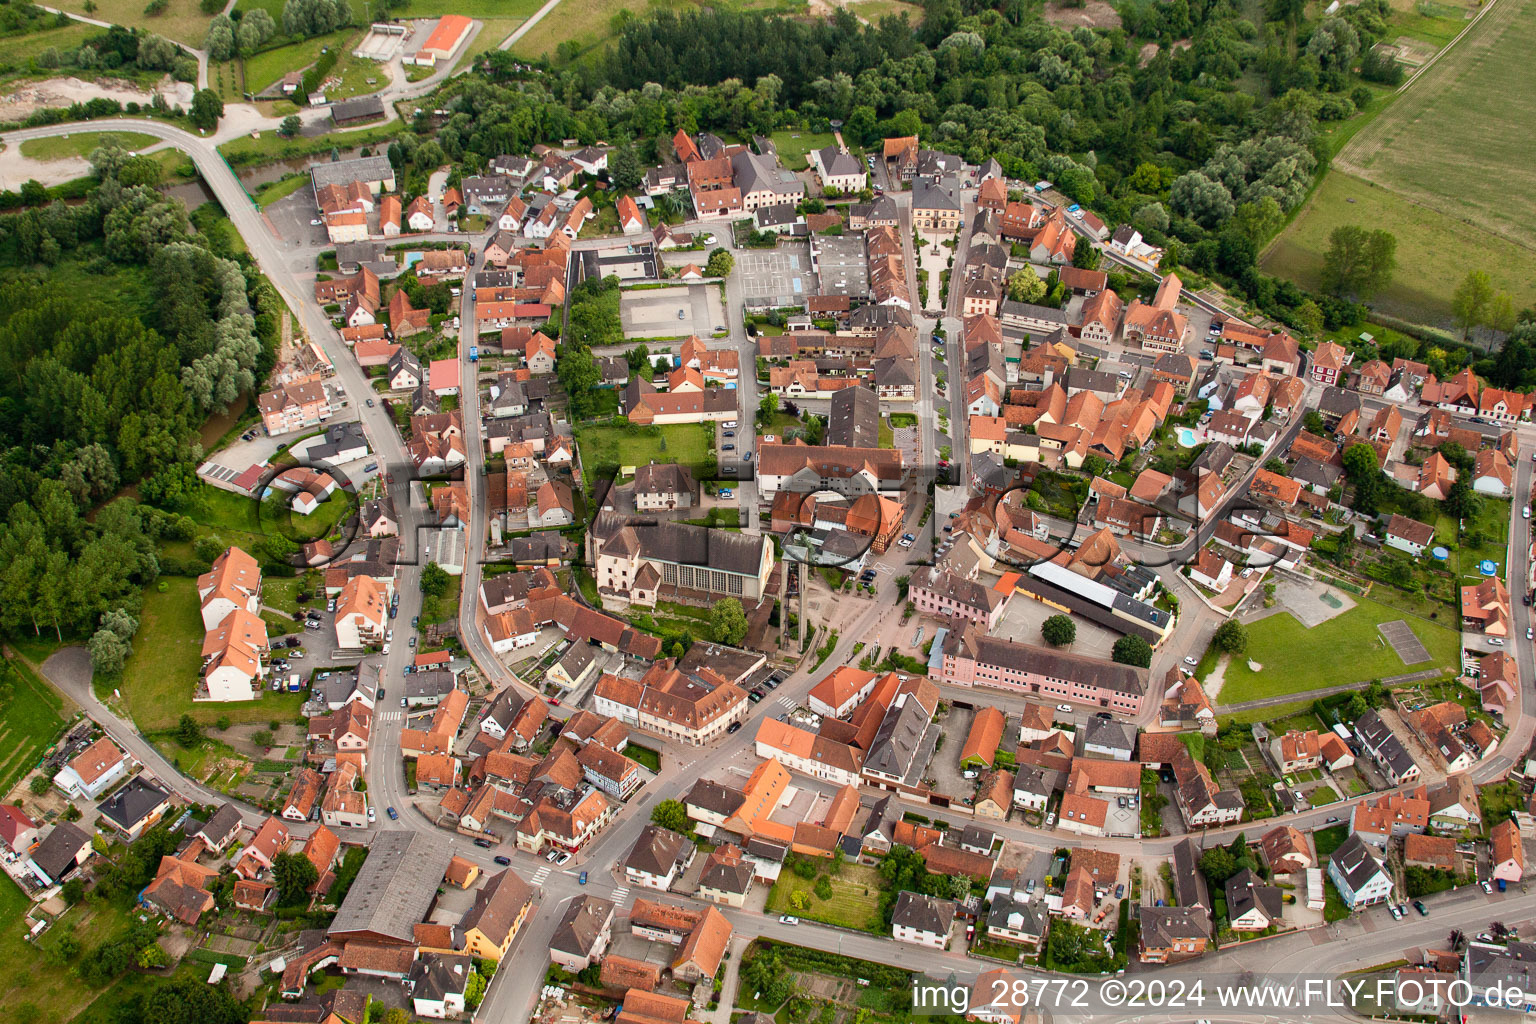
{"points": [[974, 659]]}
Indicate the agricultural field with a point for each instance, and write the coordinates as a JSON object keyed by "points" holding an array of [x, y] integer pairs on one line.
{"points": [[182, 21], [1424, 168], [31, 718], [1432, 247], [1345, 649], [81, 144], [1460, 127]]}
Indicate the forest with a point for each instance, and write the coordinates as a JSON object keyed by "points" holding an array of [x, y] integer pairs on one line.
{"points": [[121, 330]]}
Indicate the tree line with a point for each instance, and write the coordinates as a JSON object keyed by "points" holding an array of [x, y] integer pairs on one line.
{"points": [[99, 391]]}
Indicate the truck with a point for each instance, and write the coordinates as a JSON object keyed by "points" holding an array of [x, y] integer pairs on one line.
{"points": [[474, 353], [294, 686]]}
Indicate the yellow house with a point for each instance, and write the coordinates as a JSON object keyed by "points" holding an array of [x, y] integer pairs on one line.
{"points": [[492, 923]]}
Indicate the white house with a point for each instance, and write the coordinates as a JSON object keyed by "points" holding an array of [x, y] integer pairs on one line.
{"points": [[437, 984], [657, 858], [923, 920], [1409, 535], [1358, 874], [94, 771]]}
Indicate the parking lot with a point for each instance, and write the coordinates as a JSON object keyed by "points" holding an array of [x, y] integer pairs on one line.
{"points": [[672, 312], [775, 277], [1021, 622]]}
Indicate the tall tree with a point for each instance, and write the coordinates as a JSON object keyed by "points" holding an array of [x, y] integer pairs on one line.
{"points": [[1359, 261]]}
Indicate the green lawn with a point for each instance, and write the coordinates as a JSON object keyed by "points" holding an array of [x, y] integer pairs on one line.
{"points": [[1490, 527], [159, 679], [605, 448], [479, 9], [30, 720], [644, 756], [1329, 839], [80, 144], [1345, 649], [280, 189], [22, 48], [793, 145], [855, 901]]}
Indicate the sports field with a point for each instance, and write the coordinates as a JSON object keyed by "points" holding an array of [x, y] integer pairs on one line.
{"points": [[1446, 167], [1346, 649]]}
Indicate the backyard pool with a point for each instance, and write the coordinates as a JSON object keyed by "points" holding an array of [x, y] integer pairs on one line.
{"points": [[1187, 437]]}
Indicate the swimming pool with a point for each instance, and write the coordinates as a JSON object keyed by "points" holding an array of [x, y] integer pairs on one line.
{"points": [[1187, 437]]}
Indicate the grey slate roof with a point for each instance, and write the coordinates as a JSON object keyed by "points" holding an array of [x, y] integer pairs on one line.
{"points": [[581, 926], [132, 802], [924, 913]]}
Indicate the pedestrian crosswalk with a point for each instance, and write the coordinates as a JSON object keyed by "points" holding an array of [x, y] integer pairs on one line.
{"points": [[391, 716], [540, 875], [786, 700], [620, 895]]}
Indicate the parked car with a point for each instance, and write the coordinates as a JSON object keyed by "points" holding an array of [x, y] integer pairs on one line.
{"points": [[371, 815], [1487, 887], [1068, 708], [786, 919], [562, 858], [1191, 661], [485, 844], [734, 727], [1421, 908], [1397, 915], [1495, 641], [754, 696], [413, 641]]}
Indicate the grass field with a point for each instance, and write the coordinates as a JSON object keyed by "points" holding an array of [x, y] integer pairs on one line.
{"points": [[855, 901], [605, 448], [32, 976], [272, 146], [20, 49], [492, 32], [480, 9], [874, 10], [268, 66], [159, 678], [794, 145], [1433, 249], [1425, 169], [590, 23], [1345, 649], [182, 21], [81, 144], [30, 721]]}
